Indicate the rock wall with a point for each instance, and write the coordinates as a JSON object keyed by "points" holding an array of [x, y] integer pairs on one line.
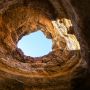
{"points": [[63, 21]]}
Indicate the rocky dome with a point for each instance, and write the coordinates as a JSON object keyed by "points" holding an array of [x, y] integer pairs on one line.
{"points": [[63, 21]]}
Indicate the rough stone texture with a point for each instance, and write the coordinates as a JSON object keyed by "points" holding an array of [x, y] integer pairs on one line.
{"points": [[63, 21]]}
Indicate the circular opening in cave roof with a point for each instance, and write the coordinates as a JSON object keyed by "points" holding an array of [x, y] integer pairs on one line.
{"points": [[35, 44]]}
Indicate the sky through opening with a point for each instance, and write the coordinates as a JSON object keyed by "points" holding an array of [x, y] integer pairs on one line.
{"points": [[35, 44]]}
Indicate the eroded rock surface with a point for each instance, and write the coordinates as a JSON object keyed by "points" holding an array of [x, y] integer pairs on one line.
{"points": [[65, 68]]}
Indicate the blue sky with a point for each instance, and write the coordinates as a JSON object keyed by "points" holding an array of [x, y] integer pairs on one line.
{"points": [[35, 44]]}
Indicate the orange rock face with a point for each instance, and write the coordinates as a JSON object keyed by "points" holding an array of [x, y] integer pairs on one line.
{"points": [[60, 69]]}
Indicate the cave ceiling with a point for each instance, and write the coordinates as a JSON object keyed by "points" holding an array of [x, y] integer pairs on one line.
{"points": [[60, 21]]}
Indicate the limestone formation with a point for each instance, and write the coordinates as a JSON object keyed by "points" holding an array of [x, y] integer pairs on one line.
{"points": [[63, 21]]}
